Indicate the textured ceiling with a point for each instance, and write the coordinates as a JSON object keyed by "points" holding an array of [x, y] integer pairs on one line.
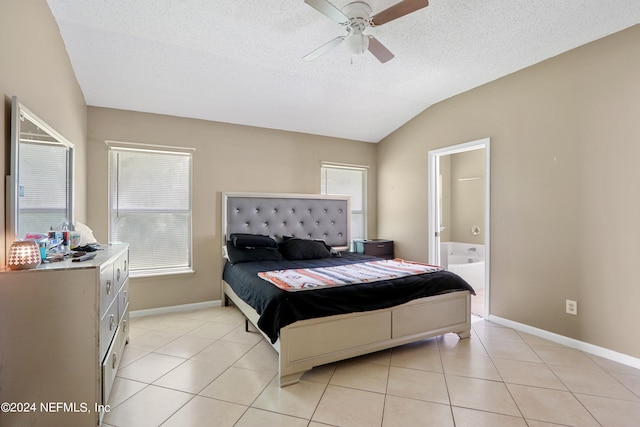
{"points": [[240, 61]]}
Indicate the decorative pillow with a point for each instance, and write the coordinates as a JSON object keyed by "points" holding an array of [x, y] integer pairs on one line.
{"points": [[239, 255], [295, 249], [243, 240]]}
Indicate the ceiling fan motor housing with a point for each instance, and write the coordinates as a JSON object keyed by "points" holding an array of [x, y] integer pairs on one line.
{"points": [[359, 19], [359, 14], [357, 9]]}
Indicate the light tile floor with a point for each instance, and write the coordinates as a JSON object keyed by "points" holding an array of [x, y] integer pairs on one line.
{"points": [[477, 303], [201, 368]]}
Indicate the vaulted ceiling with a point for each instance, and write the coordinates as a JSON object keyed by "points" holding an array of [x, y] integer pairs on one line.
{"points": [[241, 61]]}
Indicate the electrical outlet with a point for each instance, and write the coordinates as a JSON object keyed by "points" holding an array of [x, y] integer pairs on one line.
{"points": [[572, 307]]}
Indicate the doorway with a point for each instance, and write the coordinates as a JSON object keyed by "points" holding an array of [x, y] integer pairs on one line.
{"points": [[459, 215]]}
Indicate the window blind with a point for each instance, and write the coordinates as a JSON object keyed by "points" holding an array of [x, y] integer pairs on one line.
{"points": [[150, 208]]}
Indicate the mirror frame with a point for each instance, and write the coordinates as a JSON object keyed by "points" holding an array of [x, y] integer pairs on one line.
{"points": [[19, 113]]}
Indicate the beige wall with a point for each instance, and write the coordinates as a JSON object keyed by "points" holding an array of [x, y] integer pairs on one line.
{"points": [[227, 158], [34, 66], [462, 200], [467, 196], [565, 207]]}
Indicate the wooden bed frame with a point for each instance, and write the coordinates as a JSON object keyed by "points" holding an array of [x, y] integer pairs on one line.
{"points": [[314, 342]]}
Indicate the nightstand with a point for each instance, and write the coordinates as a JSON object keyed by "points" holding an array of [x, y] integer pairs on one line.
{"points": [[375, 247]]}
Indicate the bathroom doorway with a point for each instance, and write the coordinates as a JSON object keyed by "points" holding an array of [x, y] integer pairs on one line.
{"points": [[459, 202]]}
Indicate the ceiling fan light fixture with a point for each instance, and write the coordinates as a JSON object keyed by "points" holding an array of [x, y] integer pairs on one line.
{"points": [[357, 43]]}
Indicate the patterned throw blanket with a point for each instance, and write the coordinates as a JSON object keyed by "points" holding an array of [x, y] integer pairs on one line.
{"points": [[374, 271]]}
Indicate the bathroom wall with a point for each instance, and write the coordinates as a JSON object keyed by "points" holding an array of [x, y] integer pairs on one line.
{"points": [[462, 180], [467, 196]]}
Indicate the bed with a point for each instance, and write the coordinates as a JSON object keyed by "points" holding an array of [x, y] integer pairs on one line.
{"points": [[312, 327]]}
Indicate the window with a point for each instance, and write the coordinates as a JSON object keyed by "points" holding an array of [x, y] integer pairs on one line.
{"points": [[150, 207], [350, 181]]}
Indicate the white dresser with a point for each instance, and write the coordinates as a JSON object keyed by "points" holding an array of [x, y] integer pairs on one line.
{"points": [[63, 328]]}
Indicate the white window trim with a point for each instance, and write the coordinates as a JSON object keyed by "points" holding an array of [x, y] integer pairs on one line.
{"points": [[164, 272], [122, 145]]}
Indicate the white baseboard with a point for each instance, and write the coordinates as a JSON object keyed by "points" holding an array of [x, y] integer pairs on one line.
{"points": [[569, 342], [175, 308]]}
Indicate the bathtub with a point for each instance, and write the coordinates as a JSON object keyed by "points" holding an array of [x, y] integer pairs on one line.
{"points": [[463, 259], [466, 260]]}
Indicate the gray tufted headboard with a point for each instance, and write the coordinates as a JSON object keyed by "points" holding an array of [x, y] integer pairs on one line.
{"points": [[307, 216]]}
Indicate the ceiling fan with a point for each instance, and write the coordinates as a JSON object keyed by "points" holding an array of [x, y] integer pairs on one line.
{"points": [[356, 17]]}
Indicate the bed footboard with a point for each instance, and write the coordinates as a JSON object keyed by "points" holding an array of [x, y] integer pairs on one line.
{"points": [[314, 342], [309, 343]]}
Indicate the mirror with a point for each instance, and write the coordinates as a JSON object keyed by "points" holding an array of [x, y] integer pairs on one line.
{"points": [[39, 185]]}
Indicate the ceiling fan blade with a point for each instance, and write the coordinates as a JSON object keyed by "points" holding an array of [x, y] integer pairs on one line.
{"points": [[379, 51], [326, 8], [324, 49], [398, 10]]}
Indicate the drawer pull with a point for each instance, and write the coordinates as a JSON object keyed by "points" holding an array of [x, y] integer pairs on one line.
{"points": [[114, 359], [112, 322], [124, 326], [108, 287], [381, 246], [118, 275], [125, 265], [124, 299]]}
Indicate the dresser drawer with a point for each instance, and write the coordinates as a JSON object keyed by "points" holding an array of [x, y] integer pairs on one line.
{"points": [[108, 328], [379, 248], [121, 269], [108, 288], [111, 362], [123, 299]]}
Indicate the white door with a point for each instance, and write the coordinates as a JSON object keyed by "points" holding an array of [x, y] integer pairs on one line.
{"points": [[435, 207]]}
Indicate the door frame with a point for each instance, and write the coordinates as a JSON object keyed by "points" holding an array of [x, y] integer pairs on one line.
{"points": [[434, 210]]}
